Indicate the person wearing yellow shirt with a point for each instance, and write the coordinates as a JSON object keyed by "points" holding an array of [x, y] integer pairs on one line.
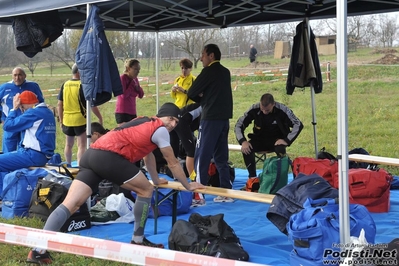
{"points": [[184, 133], [183, 84], [72, 112]]}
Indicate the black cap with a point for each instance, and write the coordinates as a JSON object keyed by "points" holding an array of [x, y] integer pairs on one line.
{"points": [[169, 109]]}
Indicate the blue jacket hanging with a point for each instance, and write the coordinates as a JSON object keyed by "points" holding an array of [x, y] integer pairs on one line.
{"points": [[98, 70]]}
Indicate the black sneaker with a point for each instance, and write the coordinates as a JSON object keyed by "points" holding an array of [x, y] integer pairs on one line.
{"points": [[37, 258], [147, 243]]}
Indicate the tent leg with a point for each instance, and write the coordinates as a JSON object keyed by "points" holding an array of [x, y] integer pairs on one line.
{"points": [[88, 135], [316, 148]]}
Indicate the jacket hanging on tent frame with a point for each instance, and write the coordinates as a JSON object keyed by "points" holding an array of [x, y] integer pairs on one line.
{"points": [[98, 70], [304, 69]]}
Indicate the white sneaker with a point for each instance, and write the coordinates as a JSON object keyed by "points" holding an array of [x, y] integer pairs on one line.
{"points": [[223, 199], [198, 203]]}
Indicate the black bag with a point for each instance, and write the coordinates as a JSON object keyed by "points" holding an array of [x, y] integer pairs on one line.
{"points": [[46, 197], [323, 154], [213, 174], [106, 188], [206, 235], [353, 164], [391, 247], [78, 221]]}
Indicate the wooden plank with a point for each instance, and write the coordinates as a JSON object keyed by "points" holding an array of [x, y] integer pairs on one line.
{"points": [[234, 147], [373, 159], [217, 191]]}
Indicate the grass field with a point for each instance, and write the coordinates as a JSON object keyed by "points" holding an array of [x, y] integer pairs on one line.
{"points": [[373, 120]]}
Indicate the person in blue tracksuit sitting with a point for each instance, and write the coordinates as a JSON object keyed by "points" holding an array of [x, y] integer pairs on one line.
{"points": [[18, 84], [37, 127]]}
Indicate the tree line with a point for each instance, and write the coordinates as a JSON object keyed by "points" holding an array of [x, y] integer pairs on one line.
{"points": [[367, 31]]}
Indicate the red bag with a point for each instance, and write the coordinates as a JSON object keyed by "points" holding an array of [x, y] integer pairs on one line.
{"points": [[213, 174], [365, 183], [370, 188], [324, 167]]}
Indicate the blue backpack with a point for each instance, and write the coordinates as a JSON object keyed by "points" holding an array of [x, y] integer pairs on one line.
{"points": [[18, 187]]}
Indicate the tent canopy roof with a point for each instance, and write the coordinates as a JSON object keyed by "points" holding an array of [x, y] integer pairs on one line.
{"points": [[170, 15]]}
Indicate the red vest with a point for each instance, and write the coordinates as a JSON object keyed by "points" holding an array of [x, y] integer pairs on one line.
{"points": [[132, 140]]}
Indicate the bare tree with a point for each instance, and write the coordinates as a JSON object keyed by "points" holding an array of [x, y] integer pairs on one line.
{"points": [[63, 49], [121, 44], [361, 29], [31, 65], [387, 30], [191, 41], [49, 56], [7, 47], [146, 47]]}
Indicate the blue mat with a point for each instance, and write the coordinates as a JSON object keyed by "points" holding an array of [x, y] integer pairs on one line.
{"points": [[259, 237]]}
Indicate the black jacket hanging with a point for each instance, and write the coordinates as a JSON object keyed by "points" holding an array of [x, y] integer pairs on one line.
{"points": [[304, 65], [36, 31]]}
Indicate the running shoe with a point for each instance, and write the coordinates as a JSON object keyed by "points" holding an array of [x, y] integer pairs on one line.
{"points": [[147, 243], [223, 199], [37, 258]]}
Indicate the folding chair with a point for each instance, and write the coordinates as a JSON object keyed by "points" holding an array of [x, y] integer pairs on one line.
{"points": [[260, 156]]}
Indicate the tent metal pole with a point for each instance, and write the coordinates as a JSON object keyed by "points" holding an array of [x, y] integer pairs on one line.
{"points": [[88, 117], [88, 102], [313, 101], [157, 68], [314, 123], [342, 120]]}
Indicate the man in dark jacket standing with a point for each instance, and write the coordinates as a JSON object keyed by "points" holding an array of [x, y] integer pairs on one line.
{"points": [[252, 53], [212, 89], [275, 126]]}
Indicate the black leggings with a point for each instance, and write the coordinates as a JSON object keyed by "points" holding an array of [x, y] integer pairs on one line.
{"points": [[96, 165]]}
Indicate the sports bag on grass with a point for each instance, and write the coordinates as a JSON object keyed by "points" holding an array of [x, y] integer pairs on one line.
{"points": [[316, 227], [206, 235], [274, 174], [17, 191], [45, 199]]}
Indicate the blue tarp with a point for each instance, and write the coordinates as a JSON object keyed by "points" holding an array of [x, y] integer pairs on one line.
{"points": [[259, 237]]}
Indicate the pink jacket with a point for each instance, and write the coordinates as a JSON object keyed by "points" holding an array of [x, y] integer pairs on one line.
{"points": [[126, 102]]}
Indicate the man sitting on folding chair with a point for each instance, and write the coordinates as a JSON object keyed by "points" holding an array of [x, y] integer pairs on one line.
{"points": [[274, 128]]}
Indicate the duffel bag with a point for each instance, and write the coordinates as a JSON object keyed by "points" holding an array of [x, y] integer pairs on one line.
{"points": [[365, 183], [18, 187], [323, 167], [370, 188], [316, 228]]}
